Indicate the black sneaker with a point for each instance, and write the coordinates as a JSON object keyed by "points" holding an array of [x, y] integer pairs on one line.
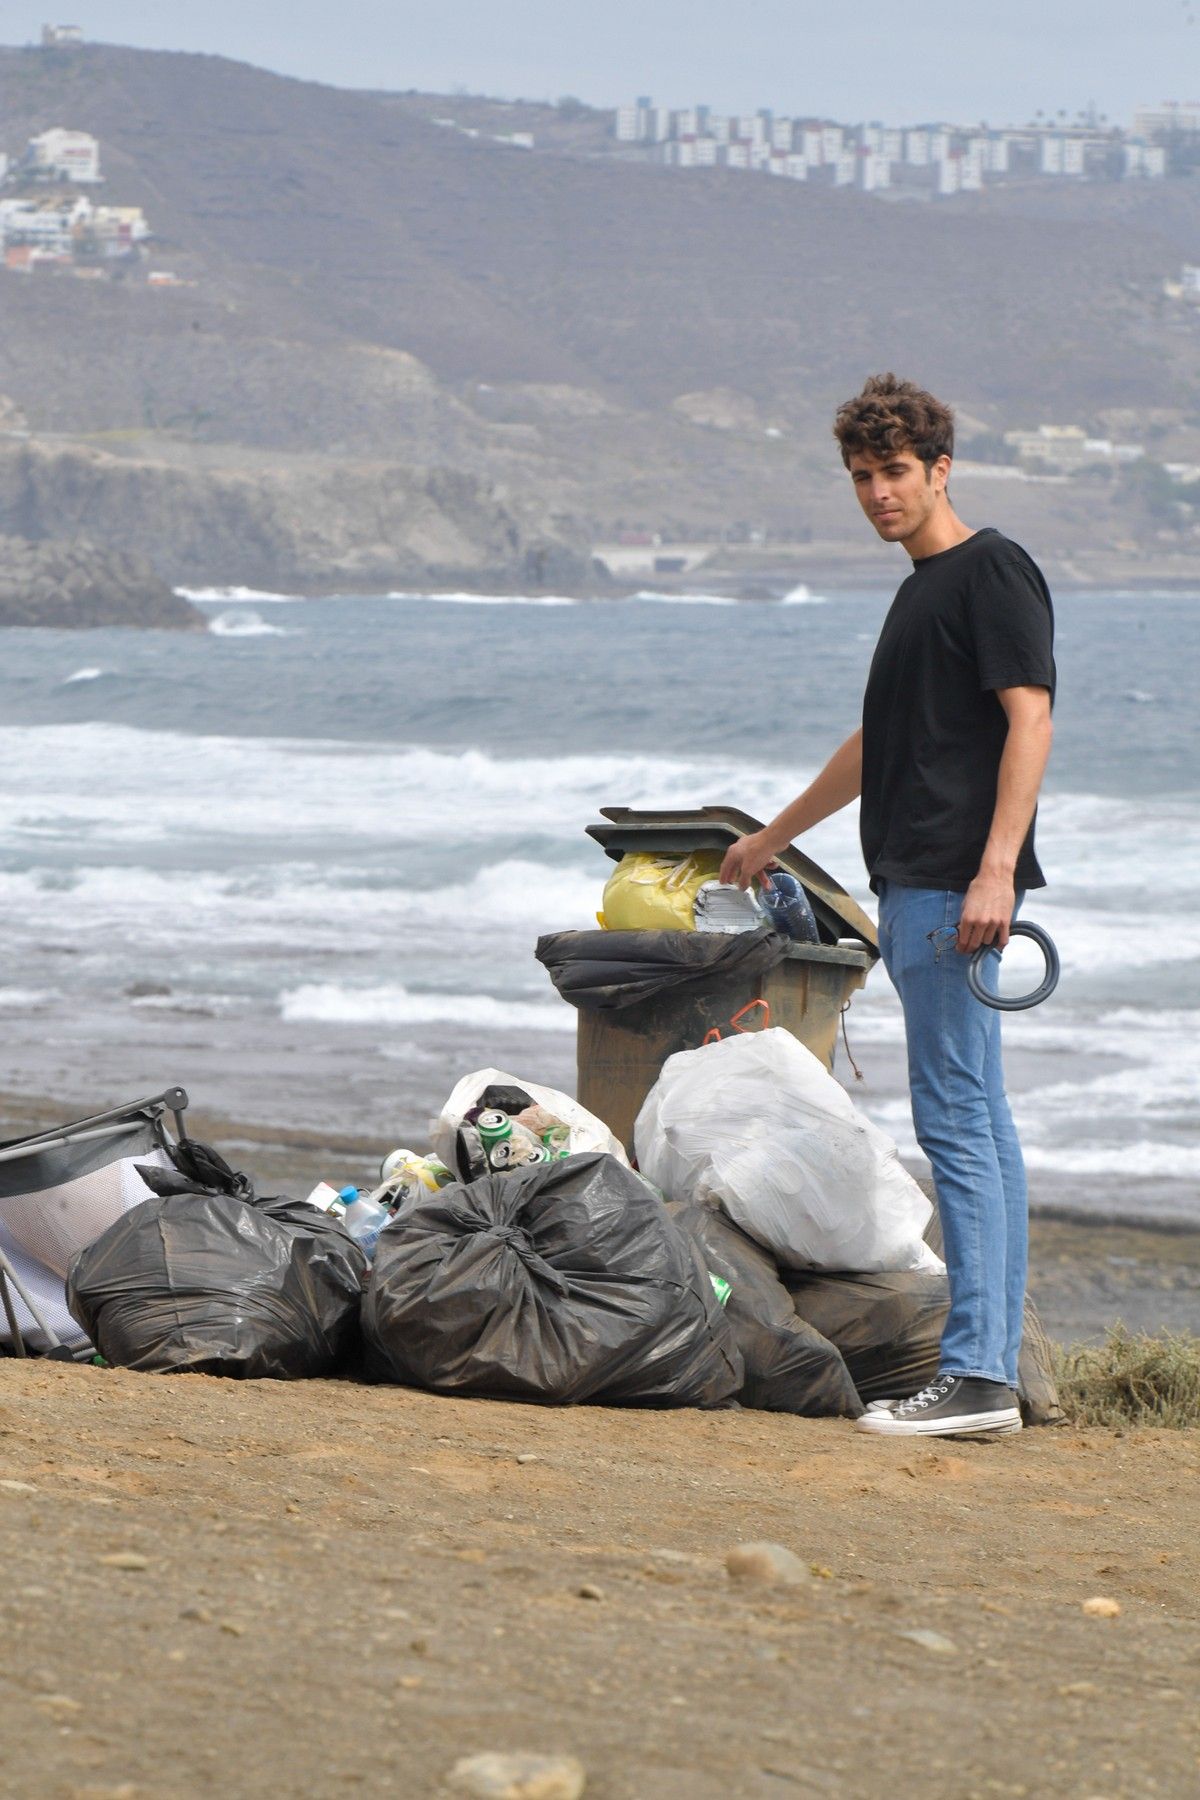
{"points": [[951, 1406]]}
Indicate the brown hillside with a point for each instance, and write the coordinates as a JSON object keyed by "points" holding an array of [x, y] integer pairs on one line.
{"points": [[324, 216]]}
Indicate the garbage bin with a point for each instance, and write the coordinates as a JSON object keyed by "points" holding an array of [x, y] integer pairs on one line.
{"points": [[620, 1053]]}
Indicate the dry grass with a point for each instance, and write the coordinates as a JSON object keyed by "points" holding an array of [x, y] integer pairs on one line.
{"points": [[1132, 1379]]}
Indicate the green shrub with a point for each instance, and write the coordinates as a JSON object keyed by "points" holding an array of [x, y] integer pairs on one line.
{"points": [[1132, 1379]]}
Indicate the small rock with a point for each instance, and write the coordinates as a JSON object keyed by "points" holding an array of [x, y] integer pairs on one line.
{"points": [[201, 1614], [411, 1681], [589, 1591], [1100, 1606], [58, 1704], [768, 1564], [18, 1487], [1078, 1690], [528, 1456], [233, 1628], [125, 1559], [498, 1777], [933, 1641]]}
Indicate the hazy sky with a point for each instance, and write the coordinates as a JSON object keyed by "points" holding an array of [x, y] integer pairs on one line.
{"points": [[978, 59]]}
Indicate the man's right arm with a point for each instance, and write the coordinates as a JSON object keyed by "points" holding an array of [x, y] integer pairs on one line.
{"points": [[839, 782]]}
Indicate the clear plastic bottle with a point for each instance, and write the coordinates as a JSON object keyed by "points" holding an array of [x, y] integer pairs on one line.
{"points": [[365, 1219]]}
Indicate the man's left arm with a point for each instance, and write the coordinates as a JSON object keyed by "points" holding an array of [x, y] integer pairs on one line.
{"points": [[989, 901]]}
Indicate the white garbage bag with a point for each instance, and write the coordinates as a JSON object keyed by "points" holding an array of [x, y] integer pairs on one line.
{"points": [[757, 1124], [587, 1132]]}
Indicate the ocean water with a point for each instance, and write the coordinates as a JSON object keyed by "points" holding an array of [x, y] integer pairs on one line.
{"points": [[298, 862]]}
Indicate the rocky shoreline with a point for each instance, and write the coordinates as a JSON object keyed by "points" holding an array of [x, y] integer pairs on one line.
{"points": [[78, 585]]}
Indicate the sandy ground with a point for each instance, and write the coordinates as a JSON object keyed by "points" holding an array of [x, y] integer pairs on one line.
{"points": [[333, 1589], [317, 1589]]}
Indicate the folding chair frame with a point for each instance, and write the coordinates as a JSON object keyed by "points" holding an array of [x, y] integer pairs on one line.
{"points": [[172, 1100]]}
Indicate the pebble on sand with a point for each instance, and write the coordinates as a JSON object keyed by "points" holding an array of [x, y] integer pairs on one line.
{"points": [[1100, 1606], [933, 1641], [125, 1559], [768, 1564], [499, 1777]]}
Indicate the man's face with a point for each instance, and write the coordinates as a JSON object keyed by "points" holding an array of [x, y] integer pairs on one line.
{"points": [[897, 492]]}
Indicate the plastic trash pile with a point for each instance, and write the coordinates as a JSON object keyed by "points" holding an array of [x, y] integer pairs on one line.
{"points": [[769, 1251]]}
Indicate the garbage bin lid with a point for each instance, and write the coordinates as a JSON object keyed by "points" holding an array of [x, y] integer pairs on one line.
{"points": [[682, 830]]}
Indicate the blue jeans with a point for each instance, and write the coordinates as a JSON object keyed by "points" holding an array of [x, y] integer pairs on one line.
{"points": [[965, 1128]]}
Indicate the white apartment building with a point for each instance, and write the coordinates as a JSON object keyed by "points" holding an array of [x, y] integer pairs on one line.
{"points": [[679, 153], [1171, 116], [941, 157], [60, 37], [797, 167], [874, 171], [811, 146], [74, 155]]}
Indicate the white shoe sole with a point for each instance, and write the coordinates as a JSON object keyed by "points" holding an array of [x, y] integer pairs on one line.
{"points": [[884, 1423]]}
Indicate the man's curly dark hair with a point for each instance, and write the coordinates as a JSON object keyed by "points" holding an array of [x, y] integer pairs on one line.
{"points": [[891, 415]]}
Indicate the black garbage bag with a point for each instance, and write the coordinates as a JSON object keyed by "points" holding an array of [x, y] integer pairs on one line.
{"points": [[790, 1367], [556, 1283], [887, 1327], [604, 971], [198, 1169], [207, 1282]]}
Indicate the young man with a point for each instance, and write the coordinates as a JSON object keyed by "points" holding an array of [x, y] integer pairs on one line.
{"points": [[954, 740]]}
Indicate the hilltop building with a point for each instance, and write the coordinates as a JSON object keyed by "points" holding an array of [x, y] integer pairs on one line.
{"points": [[61, 37], [937, 159], [1172, 117], [1067, 449], [65, 156]]}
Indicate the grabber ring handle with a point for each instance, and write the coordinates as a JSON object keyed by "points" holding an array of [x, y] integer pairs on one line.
{"points": [[1019, 1002]]}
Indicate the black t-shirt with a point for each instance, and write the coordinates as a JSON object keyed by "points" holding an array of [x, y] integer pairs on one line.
{"points": [[969, 620]]}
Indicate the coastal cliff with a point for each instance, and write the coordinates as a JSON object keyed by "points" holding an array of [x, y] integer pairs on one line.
{"points": [[305, 523]]}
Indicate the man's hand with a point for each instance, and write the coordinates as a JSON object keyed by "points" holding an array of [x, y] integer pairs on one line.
{"points": [[747, 858], [988, 907]]}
